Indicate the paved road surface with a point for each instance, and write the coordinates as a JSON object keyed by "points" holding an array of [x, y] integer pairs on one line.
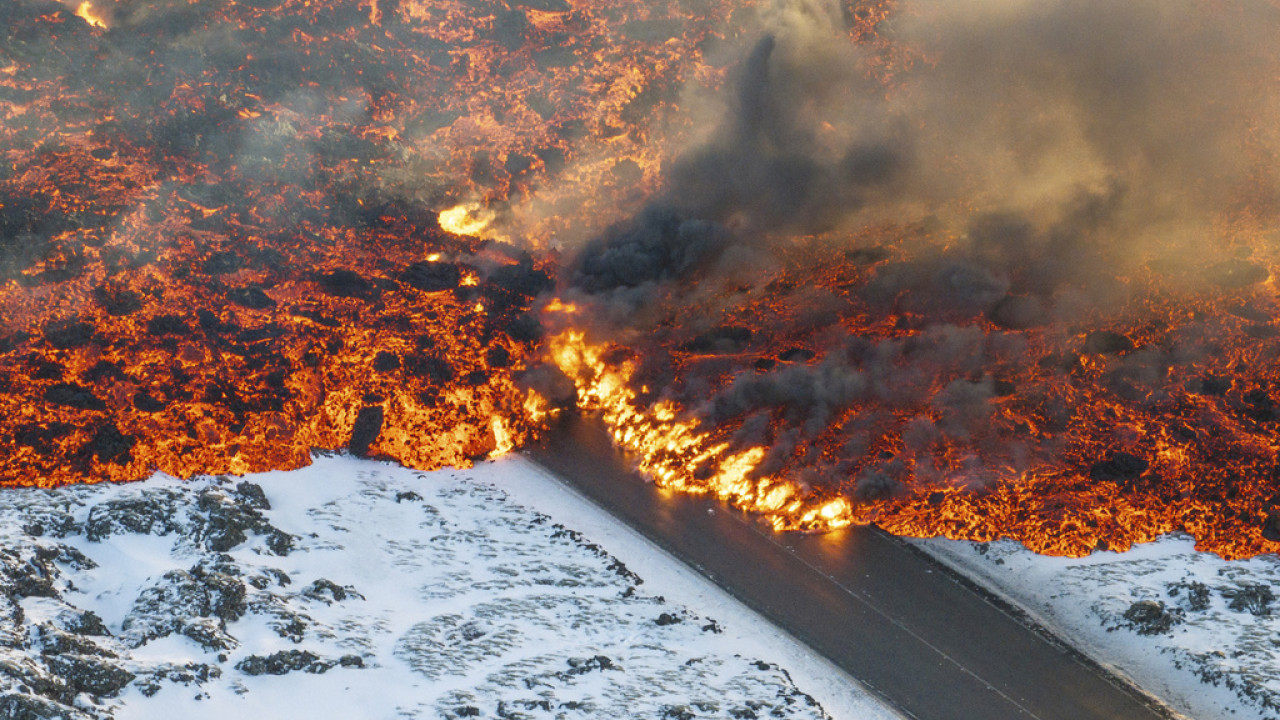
{"points": [[919, 637]]}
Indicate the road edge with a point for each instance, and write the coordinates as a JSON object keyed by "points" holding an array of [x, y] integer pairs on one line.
{"points": [[1008, 605], [658, 545]]}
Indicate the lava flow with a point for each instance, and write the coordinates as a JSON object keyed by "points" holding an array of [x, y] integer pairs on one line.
{"points": [[983, 270], [219, 240]]}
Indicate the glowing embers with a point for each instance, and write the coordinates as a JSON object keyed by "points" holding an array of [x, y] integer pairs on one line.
{"points": [[201, 355], [1152, 418], [676, 454]]}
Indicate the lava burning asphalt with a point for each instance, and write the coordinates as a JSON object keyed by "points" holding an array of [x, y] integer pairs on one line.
{"points": [[978, 269]]}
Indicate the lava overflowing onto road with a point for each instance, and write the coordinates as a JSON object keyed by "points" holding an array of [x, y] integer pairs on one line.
{"points": [[998, 269]]}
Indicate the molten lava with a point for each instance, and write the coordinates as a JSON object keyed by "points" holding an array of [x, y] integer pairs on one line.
{"points": [[677, 455], [1097, 439], [235, 233]]}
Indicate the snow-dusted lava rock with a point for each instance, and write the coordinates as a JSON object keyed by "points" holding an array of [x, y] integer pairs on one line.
{"points": [[1198, 631], [347, 589]]}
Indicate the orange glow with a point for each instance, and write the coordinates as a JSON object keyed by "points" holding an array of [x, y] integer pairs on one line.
{"points": [[679, 457], [558, 306], [226, 265], [466, 219], [89, 14]]}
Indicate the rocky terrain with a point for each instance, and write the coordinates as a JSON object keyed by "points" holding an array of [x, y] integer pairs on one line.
{"points": [[350, 588], [1194, 629]]}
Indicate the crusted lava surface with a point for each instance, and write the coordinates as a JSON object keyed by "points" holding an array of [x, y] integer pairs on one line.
{"points": [[854, 286]]}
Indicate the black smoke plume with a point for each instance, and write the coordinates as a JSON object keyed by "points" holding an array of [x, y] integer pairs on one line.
{"points": [[984, 170]]}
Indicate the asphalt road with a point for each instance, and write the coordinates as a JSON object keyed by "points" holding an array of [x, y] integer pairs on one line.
{"points": [[921, 638]]}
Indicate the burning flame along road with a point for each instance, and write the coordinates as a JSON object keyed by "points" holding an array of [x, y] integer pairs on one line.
{"points": [[809, 257], [668, 448]]}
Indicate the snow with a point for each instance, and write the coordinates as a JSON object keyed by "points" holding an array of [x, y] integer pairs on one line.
{"points": [[1191, 628], [754, 636], [483, 592], [375, 591]]}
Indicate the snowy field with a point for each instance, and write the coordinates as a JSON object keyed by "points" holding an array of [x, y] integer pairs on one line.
{"points": [[1197, 631], [361, 589]]}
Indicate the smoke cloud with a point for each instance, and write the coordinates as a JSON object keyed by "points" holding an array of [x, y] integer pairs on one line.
{"points": [[1012, 162], [1052, 140]]}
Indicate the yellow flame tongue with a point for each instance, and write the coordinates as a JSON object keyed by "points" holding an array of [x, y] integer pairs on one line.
{"points": [[670, 449], [466, 219], [90, 15]]}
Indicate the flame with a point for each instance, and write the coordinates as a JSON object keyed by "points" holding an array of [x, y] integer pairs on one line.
{"points": [[556, 305], [466, 219], [502, 438], [680, 457], [538, 409], [89, 14], [238, 264]]}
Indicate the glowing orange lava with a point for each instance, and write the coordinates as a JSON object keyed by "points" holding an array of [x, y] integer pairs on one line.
{"points": [[234, 234]]}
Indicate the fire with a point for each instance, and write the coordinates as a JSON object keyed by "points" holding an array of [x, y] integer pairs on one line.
{"points": [[676, 454], [503, 442], [466, 219], [226, 266], [89, 14], [1065, 456]]}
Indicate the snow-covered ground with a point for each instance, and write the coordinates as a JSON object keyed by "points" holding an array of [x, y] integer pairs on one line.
{"points": [[354, 588], [1189, 627]]}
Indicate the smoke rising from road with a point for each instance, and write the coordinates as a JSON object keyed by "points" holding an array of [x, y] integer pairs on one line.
{"points": [[1015, 163]]}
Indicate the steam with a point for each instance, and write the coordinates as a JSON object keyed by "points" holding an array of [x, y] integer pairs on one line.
{"points": [[1015, 161], [1051, 139]]}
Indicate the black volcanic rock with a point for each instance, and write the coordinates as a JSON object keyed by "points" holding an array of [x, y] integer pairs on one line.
{"points": [[522, 278], [497, 357], [796, 354], [110, 445], [41, 437], [168, 325], [73, 396], [146, 402], [211, 322], [118, 302], [67, 335], [525, 328], [345, 283], [386, 362], [1209, 384], [252, 297], [1260, 406], [1106, 342], [434, 368], [1271, 527], [1121, 466], [222, 263], [104, 370], [365, 432], [432, 276]]}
